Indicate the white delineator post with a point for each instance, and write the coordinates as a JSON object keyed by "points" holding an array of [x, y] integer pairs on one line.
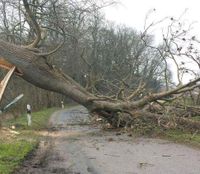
{"points": [[28, 107], [62, 105]]}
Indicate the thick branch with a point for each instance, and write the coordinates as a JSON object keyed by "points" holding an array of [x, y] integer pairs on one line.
{"points": [[37, 72], [34, 24]]}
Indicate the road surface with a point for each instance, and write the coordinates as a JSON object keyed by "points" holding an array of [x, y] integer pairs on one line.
{"points": [[79, 148]]}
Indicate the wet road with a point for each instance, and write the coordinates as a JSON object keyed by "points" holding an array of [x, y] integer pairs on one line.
{"points": [[80, 148]]}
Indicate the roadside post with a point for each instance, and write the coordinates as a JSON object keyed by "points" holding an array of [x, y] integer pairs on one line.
{"points": [[62, 105], [29, 121]]}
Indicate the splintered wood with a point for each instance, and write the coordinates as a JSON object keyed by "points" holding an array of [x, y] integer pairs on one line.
{"points": [[5, 81], [6, 65]]}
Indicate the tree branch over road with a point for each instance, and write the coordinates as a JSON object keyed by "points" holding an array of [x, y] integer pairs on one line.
{"points": [[120, 111]]}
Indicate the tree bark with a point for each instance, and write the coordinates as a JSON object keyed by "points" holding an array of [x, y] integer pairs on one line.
{"points": [[35, 69]]}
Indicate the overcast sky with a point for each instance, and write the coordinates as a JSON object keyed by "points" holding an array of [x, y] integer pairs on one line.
{"points": [[132, 13]]}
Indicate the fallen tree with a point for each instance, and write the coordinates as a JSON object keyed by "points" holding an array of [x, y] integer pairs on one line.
{"points": [[32, 66], [34, 69]]}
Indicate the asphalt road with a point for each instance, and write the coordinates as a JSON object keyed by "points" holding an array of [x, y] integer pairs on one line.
{"points": [[80, 148]]}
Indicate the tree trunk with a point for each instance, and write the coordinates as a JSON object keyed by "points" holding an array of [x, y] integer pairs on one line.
{"points": [[35, 69]]}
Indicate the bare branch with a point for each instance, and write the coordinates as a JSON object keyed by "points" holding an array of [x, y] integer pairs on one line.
{"points": [[137, 91], [57, 48], [34, 24]]}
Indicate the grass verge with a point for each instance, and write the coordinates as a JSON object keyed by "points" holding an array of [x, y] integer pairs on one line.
{"points": [[17, 144], [191, 138]]}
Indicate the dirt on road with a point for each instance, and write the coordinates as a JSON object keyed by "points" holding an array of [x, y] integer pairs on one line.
{"points": [[75, 146]]}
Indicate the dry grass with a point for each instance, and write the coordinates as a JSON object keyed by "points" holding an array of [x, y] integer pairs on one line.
{"points": [[7, 134]]}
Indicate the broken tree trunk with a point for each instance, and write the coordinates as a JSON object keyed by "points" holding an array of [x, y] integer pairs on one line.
{"points": [[5, 80]]}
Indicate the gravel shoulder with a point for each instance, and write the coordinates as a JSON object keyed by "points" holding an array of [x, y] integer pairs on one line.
{"points": [[76, 147]]}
